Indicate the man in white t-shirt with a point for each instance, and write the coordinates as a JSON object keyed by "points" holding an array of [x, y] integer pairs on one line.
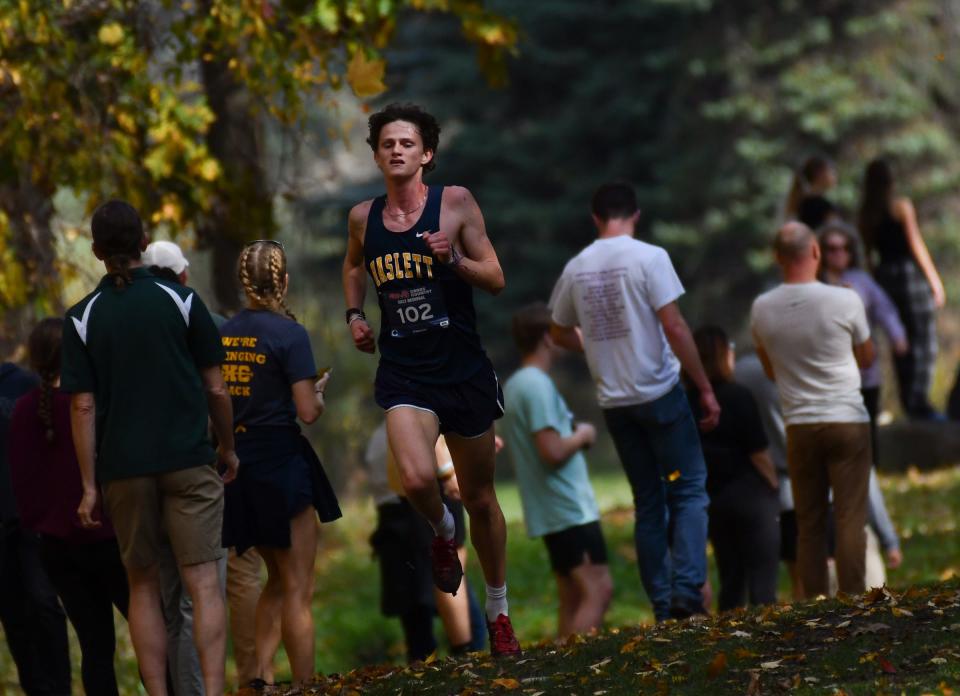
{"points": [[813, 339], [617, 302]]}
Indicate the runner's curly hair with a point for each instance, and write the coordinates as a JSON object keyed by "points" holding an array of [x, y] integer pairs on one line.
{"points": [[426, 125], [262, 270], [44, 348]]}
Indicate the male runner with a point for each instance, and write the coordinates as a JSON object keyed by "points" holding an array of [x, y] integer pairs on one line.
{"points": [[425, 248]]}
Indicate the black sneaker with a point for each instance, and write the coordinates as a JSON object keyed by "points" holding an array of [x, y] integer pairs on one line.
{"points": [[685, 608]]}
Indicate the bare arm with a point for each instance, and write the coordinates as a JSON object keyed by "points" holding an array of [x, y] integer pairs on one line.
{"points": [[865, 354], [569, 337], [477, 262], [764, 466], [83, 425], [555, 450], [904, 211], [308, 397], [681, 341], [221, 416], [764, 359], [355, 277]]}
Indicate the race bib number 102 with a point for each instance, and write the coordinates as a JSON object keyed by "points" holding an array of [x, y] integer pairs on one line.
{"points": [[415, 310]]}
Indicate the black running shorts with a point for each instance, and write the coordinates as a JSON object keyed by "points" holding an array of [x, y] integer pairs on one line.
{"points": [[467, 409], [568, 547]]}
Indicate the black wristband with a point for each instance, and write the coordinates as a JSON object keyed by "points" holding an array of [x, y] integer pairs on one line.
{"points": [[354, 312]]}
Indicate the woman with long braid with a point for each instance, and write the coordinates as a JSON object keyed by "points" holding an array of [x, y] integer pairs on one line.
{"points": [[274, 503], [84, 565]]}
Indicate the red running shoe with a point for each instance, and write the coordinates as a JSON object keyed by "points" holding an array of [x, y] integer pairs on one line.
{"points": [[503, 642], [447, 571]]}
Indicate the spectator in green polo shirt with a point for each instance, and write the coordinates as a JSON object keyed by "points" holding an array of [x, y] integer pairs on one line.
{"points": [[141, 357]]}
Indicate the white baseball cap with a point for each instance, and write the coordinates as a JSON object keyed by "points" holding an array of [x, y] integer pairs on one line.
{"points": [[165, 255]]}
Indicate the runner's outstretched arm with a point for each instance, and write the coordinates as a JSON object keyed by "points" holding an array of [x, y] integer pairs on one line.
{"points": [[355, 277], [476, 262]]}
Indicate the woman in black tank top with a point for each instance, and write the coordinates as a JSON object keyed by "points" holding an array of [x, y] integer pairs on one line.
{"points": [[888, 227]]}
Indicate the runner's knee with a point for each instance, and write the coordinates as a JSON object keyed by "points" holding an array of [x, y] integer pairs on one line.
{"points": [[415, 480], [480, 501]]}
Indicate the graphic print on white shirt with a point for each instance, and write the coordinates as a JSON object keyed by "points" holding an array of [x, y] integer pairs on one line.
{"points": [[613, 290]]}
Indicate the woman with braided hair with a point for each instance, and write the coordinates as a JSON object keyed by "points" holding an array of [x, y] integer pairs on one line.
{"points": [[274, 503], [84, 565]]}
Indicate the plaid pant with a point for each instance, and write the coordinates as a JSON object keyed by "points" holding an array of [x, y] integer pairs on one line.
{"points": [[906, 285]]}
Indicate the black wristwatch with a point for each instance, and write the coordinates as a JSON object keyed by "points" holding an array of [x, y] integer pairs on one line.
{"points": [[354, 312]]}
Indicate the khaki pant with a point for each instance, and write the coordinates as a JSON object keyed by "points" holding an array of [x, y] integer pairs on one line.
{"points": [[243, 593], [184, 506], [821, 456]]}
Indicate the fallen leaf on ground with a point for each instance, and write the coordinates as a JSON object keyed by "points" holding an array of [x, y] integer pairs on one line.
{"points": [[887, 666], [717, 665], [508, 684], [871, 628], [770, 665]]}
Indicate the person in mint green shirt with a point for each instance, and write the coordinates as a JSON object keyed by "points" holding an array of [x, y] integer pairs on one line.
{"points": [[546, 447]]}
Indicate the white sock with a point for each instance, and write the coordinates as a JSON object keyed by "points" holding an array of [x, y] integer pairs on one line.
{"points": [[446, 528], [496, 602]]}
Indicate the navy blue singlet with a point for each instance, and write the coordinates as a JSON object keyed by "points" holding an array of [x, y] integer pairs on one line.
{"points": [[428, 325]]}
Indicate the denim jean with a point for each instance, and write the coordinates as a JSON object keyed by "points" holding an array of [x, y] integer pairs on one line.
{"points": [[659, 448]]}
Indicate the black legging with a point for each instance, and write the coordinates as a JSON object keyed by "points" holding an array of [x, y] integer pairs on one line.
{"points": [[32, 619], [871, 399], [417, 625], [745, 535], [90, 580]]}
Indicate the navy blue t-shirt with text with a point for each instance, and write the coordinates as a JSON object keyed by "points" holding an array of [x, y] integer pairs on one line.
{"points": [[266, 353]]}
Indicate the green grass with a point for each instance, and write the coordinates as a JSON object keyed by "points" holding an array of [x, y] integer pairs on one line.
{"points": [[923, 505], [882, 642], [352, 633]]}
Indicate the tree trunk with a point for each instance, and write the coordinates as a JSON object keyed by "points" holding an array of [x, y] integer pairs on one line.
{"points": [[244, 207], [29, 210]]}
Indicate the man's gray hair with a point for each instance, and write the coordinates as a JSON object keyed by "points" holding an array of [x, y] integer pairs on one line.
{"points": [[793, 241]]}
